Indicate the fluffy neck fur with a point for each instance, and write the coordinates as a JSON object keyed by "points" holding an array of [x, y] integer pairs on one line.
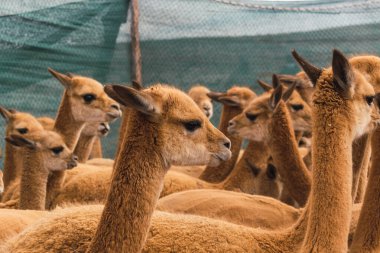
{"points": [[367, 235], [219, 173], [242, 178], [70, 129], [136, 184], [96, 151], [84, 147], [284, 151], [360, 154], [12, 164], [33, 182], [330, 200]]}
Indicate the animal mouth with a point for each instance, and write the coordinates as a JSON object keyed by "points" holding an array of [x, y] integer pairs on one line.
{"points": [[222, 156], [231, 130], [71, 165], [103, 129], [113, 115]]}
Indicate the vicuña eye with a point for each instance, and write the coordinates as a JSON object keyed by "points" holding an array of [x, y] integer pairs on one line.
{"points": [[297, 107], [88, 98], [22, 130], [57, 150], [369, 99], [193, 125], [251, 117]]}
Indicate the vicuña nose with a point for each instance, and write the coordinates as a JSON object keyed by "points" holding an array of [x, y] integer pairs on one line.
{"points": [[231, 123], [227, 144], [115, 106], [75, 158]]}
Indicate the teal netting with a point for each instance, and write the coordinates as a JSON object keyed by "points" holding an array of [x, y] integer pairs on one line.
{"points": [[215, 42]]}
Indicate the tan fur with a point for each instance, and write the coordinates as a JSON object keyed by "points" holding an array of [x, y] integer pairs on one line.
{"points": [[284, 151], [206, 232], [199, 94], [16, 122], [72, 115], [256, 129], [147, 153], [97, 151], [367, 235], [234, 100], [90, 133], [39, 160], [303, 85], [243, 209]]}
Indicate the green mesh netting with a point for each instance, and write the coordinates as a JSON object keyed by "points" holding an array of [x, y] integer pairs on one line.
{"points": [[215, 42]]}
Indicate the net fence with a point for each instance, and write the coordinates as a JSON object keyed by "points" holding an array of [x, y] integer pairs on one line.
{"points": [[218, 43]]}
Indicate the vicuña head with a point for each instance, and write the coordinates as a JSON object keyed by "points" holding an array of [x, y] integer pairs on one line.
{"points": [[50, 146], [199, 94], [89, 102], [253, 121], [176, 117], [20, 122]]}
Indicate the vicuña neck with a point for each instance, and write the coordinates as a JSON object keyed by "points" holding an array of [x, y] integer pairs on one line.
{"points": [[219, 173], [242, 177], [367, 234], [285, 154], [12, 164], [66, 125], [84, 147], [330, 198], [70, 129], [136, 184], [33, 182]]}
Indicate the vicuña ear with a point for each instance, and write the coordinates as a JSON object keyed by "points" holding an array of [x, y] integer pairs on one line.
{"points": [[343, 74], [215, 95], [289, 80], [311, 71], [20, 141], [137, 85], [65, 80], [229, 100], [288, 93], [131, 97], [264, 85], [277, 93], [6, 114]]}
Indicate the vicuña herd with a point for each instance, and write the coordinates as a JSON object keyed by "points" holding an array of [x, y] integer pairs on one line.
{"points": [[307, 179]]}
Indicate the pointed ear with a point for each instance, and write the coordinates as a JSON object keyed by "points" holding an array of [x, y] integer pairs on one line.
{"points": [[65, 80], [264, 85], [131, 97], [229, 100], [6, 114], [288, 93], [288, 80], [311, 71], [343, 74], [137, 85], [275, 97], [215, 95], [20, 141]]}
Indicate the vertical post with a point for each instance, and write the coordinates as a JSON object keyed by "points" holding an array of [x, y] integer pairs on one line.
{"points": [[136, 75]]}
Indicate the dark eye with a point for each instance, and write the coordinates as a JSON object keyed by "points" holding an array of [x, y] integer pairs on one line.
{"points": [[369, 99], [57, 150], [251, 117], [297, 107], [271, 171], [192, 125], [88, 98], [22, 130]]}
